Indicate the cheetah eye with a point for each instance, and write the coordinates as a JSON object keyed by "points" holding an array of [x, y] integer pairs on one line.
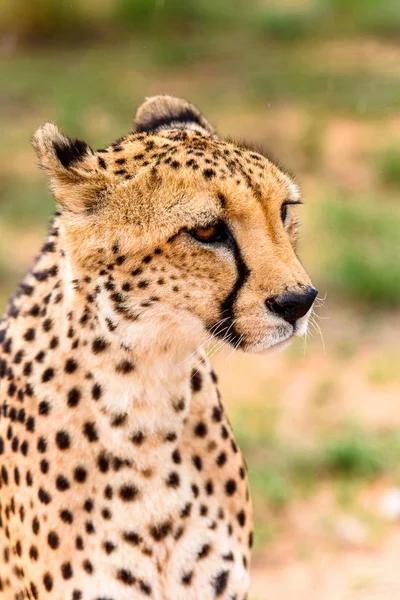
{"points": [[211, 234], [284, 209], [284, 213]]}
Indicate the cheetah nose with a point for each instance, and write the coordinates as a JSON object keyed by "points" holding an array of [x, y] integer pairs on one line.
{"points": [[291, 306]]}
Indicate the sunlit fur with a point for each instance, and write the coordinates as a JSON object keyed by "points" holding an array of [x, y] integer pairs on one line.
{"points": [[119, 473]]}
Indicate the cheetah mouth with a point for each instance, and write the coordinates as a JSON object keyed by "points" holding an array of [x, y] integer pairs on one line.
{"points": [[260, 338], [271, 338]]}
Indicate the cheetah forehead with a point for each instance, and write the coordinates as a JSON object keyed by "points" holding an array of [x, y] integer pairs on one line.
{"points": [[172, 171]]}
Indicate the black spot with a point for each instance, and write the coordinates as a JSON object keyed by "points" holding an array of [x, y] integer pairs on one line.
{"points": [[217, 414], [132, 538], [186, 510], [209, 487], [44, 407], [80, 474], [43, 496], [159, 532], [62, 483], [35, 526], [197, 461], [125, 367], [176, 456], [66, 516], [63, 440], [88, 505], [96, 391], [224, 432], [241, 517], [209, 173], [201, 429], [204, 551], [103, 463], [66, 570], [42, 445], [74, 397], [228, 557], [145, 588], [230, 487], [87, 566], [89, 430], [187, 578], [109, 547], [29, 335], [119, 420], [221, 459], [196, 380], [71, 366], [48, 582], [173, 480], [47, 324], [48, 374], [128, 493], [108, 492], [106, 514], [79, 542], [137, 438], [126, 577], [70, 150], [220, 582], [54, 342], [53, 540], [99, 345]]}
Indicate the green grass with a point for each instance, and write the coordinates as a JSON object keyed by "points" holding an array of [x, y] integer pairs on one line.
{"points": [[353, 455], [25, 203], [389, 167], [278, 470], [46, 20], [348, 458], [359, 242]]}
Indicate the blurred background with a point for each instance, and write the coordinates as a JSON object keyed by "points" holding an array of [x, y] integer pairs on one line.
{"points": [[318, 83]]}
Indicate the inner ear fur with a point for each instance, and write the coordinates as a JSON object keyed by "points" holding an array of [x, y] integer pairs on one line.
{"points": [[71, 166], [167, 112]]}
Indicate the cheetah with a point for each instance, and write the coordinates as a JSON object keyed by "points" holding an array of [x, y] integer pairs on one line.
{"points": [[120, 476]]}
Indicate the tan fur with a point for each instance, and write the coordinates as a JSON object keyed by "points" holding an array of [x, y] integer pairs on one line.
{"points": [[120, 475]]}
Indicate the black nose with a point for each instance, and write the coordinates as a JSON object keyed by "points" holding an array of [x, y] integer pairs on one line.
{"points": [[292, 305]]}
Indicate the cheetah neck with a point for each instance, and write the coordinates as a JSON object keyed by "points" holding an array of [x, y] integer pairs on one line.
{"points": [[134, 389]]}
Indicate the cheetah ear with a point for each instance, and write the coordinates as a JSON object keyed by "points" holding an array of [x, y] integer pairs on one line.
{"points": [[166, 112], [71, 166]]}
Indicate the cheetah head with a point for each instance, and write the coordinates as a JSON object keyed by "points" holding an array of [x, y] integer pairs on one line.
{"points": [[182, 234]]}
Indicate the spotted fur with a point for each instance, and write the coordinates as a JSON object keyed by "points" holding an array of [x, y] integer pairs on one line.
{"points": [[120, 476]]}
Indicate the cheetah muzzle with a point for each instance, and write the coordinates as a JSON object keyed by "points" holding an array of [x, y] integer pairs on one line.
{"points": [[120, 477]]}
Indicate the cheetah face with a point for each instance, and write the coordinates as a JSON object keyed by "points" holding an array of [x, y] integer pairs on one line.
{"points": [[182, 233]]}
